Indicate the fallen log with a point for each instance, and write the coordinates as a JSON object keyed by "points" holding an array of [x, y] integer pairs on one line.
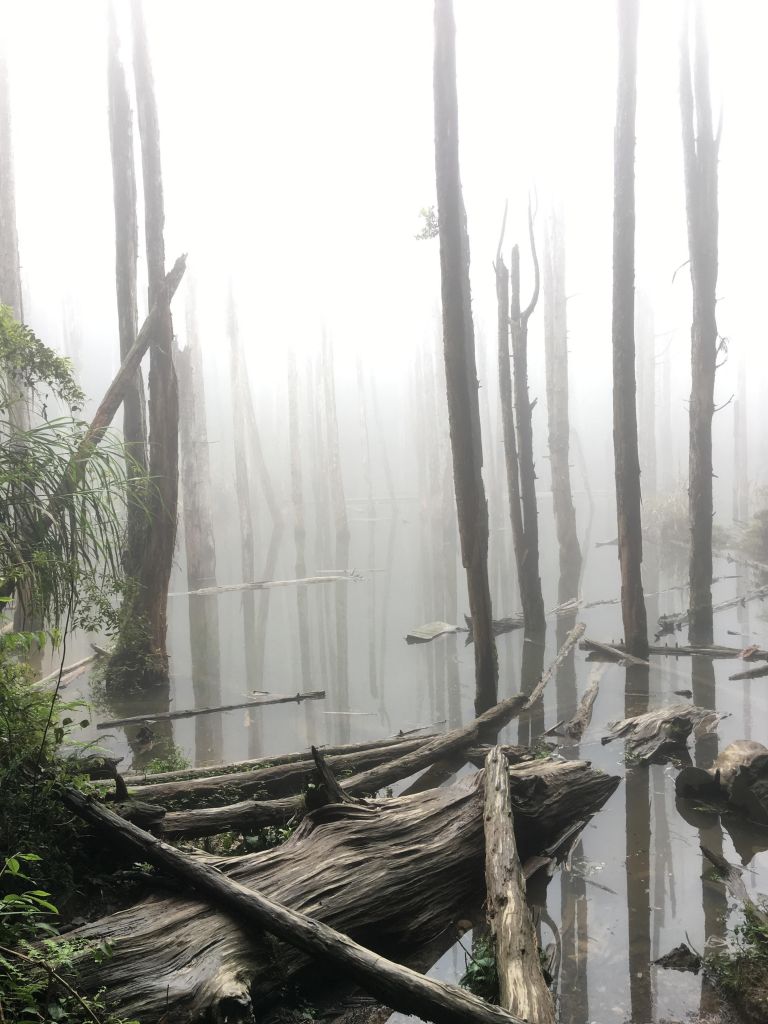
{"points": [[391, 877], [271, 781], [616, 652], [574, 728], [751, 673], [343, 576], [660, 733], [669, 623], [400, 987], [612, 652], [500, 626], [738, 781], [193, 712], [431, 631], [522, 988], [253, 814]]}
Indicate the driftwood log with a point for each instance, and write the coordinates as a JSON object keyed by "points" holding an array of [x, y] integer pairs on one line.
{"points": [[278, 698], [616, 652], [391, 876], [738, 780], [657, 734], [522, 988]]}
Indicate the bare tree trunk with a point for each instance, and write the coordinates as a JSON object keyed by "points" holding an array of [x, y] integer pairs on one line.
{"points": [[299, 529], [556, 355], [740, 458], [198, 537], [700, 154], [155, 571], [126, 258], [459, 350], [528, 570], [646, 393], [625, 449]]}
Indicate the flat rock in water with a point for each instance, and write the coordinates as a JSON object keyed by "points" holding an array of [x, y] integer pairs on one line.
{"points": [[430, 631]]}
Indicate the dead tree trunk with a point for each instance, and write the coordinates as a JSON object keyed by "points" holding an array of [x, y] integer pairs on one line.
{"points": [[740, 448], [126, 258], [155, 571], [528, 569], [522, 988], [459, 351], [184, 959], [646, 393], [243, 490], [700, 154], [299, 528], [556, 357], [198, 536], [627, 459]]}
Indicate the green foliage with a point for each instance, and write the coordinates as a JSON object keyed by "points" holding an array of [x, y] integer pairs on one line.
{"points": [[174, 760], [29, 365], [38, 975], [742, 972], [430, 228], [480, 975]]}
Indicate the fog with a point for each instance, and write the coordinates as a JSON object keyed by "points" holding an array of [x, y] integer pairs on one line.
{"points": [[298, 151]]}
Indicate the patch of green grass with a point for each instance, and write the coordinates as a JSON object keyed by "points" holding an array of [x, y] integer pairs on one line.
{"points": [[480, 975], [742, 972]]}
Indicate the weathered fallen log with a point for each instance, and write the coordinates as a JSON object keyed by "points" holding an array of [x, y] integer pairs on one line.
{"points": [[500, 626], [253, 814], [343, 576], [574, 728], [522, 988], [669, 623], [297, 698], [616, 652], [271, 781], [738, 781], [402, 988], [751, 673], [391, 877], [662, 732], [431, 631]]}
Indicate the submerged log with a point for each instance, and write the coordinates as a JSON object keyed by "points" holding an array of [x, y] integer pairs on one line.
{"points": [[738, 779], [522, 988], [616, 652], [657, 734], [390, 879]]}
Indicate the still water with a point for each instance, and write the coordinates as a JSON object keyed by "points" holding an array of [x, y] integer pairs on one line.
{"points": [[635, 885]]}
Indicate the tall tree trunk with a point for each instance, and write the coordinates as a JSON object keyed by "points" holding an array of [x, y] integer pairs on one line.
{"points": [[126, 257], [198, 537], [155, 571], [700, 153], [556, 357], [528, 570], [740, 447], [625, 447], [646, 393], [299, 529], [459, 351]]}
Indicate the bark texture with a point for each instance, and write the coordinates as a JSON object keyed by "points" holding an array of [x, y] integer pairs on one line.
{"points": [[559, 428], [155, 570], [522, 988], [126, 258], [625, 449], [700, 154], [413, 861], [459, 353]]}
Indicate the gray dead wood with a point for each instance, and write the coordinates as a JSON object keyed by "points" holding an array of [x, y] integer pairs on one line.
{"points": [[574, 728], [522, 988], [738, 779], [253, 814], [297, 698], [270, 781], [415, 861], [614, 652], [401, 988], [138, 779], [734, 883], [227, 588], [662, 732]]}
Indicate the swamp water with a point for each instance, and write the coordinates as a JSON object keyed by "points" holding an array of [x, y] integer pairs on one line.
{"points": [[636, 885]]}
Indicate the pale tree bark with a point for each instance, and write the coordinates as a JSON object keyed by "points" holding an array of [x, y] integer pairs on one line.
{"points": [[459, 352], [627, 460], [528, 568], [646, 393], [700, 154], [740, 447], [126, 258], [155, 571], [556, 358]]}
